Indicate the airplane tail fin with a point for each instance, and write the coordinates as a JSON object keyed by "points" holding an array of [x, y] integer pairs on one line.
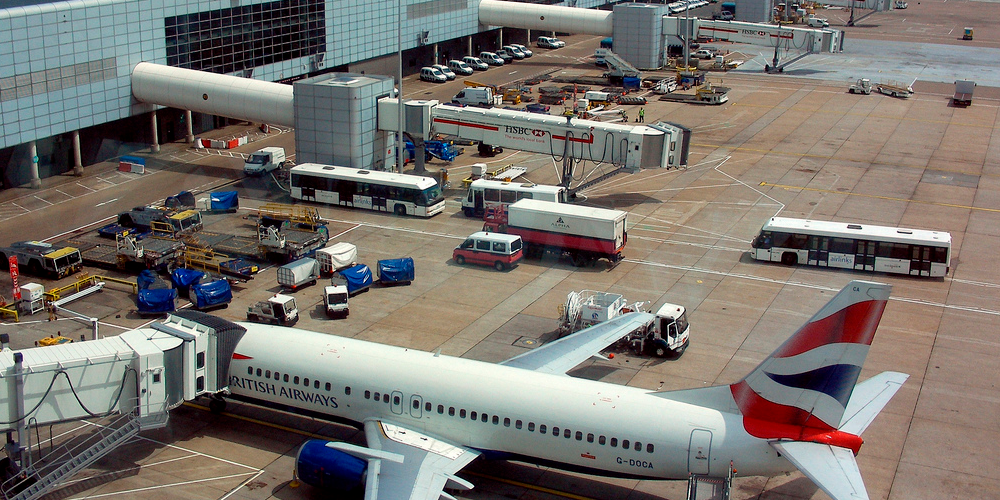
{"points": [[809, 379]]}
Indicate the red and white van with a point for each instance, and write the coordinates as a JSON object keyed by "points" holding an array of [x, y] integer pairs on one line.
{"points": [[502, 251]]}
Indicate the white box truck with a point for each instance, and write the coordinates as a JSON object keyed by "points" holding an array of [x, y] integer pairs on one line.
{"points": [[336, 257], [585, 234], [302, 272], [264, 161]]}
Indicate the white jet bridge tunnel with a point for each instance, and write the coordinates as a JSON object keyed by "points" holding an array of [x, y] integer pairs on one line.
{"points": [[136, 377]]}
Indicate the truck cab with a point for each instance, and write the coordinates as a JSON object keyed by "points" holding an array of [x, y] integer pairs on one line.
{"points": [[335, 301], [264, 161], [279, 309]]}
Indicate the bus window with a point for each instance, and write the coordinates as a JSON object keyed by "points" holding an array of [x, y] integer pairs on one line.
{"points": [[508, 196], [491, 194], [841, 245]]}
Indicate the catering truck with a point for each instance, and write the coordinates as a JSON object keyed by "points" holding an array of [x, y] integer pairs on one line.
{"points": [[585, 234]]}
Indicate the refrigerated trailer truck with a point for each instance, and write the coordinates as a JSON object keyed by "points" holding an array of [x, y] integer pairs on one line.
{"points": [[585, 234]]}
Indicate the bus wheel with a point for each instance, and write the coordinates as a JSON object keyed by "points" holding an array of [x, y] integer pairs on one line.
{"points": [[499, 266], [400, 210], [789, 259]]}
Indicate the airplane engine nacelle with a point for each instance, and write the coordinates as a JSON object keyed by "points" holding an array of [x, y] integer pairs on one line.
{"points": [[329, 469]]}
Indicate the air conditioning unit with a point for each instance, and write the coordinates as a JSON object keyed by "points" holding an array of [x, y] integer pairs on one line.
{"points": [[424, 38]]}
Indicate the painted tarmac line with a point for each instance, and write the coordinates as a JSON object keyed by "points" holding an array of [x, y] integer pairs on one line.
{"points": [[880, 197], [162, 486]]}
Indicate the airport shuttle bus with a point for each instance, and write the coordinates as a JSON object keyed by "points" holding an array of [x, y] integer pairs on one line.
{"points": [[485, 193], [862, 247], [401, 194]]}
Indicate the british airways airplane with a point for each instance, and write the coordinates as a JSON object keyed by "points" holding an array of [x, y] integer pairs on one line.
{"points": [[426, 416]]}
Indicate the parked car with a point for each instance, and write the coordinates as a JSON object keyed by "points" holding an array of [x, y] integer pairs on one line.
{"points": [[429, 74], [548, 42], [514, 51], [506, 56], [476, 63], [723, 16], [527, 52], [446, 71], [459, 67], [703, 54], [491, 58]]}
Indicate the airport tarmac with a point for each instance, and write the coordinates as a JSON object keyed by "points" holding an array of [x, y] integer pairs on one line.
{"points": [[801, 147]]}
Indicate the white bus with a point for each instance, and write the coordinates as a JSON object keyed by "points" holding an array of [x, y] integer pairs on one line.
{"points": [[485, 193], [862, 247], [401, 194]]}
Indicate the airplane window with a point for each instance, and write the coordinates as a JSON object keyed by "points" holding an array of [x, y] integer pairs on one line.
{"points": [[590, 438], [385, 398], [461, 413], [258, 372], [395, 400], [638, 446], [614, 442], [441, 409], [305, 382], [267, 373], [531, 427], [474, 415], [555, 431], [649, 448], [347, 390], [496, 420], [517, 424], [368, 394], [625, 443], [579, 436], [601, 440], [486, 418], [316, 384], [249, 370], [567, 433], [378, 396], [277, 376], [506, 422], [416, 404], [451, 411], [541, 428], [427, 407], [295, 380]]}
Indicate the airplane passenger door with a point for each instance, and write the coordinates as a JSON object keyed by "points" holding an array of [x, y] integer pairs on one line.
{"points": [[415, 402], [396, 402], [699, 451]]}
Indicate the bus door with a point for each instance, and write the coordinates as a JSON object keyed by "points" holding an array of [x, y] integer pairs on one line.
{"points": [[864, 256], [920, 260], [478, 201], [379, 197], [819, 253], [345, 193]]}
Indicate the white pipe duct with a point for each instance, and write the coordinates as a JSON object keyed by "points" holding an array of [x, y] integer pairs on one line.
{"points": [[215, 94], [545, 17]]}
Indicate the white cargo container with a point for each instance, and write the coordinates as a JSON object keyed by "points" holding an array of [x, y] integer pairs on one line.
{"points": [[336, 256], [300, 273]]}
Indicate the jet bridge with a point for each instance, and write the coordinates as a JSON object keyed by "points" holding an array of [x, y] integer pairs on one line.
{"points": [[139, 375]]}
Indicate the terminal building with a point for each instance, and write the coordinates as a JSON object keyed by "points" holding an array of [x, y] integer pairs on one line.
{"points": [[66, 99]]}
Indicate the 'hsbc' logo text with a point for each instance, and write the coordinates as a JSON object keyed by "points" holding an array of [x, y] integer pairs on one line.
{"points": [[510, 129]]}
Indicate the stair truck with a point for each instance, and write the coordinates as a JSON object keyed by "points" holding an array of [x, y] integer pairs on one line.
{"points": [[42, 259], [302, 272], [585, 234], [279, 309], [669, 331]]}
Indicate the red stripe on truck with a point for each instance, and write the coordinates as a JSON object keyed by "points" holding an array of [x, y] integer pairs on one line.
{"points": [[565, 241]]}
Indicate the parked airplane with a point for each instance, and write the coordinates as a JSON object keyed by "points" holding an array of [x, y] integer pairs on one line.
{"points": [[427, 415]]}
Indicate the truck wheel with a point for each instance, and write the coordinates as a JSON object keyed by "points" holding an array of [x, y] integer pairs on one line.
{"points": [[35, 268], [579, 260], [789, 259], [459, 260], [499, 266], [252, 317], [400, 210], [660, 352]]}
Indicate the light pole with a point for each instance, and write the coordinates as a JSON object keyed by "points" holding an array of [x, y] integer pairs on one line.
{"points": [[399, 95]]}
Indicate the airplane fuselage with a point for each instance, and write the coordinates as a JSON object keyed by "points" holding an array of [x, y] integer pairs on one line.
{"points": [[503, 411]]}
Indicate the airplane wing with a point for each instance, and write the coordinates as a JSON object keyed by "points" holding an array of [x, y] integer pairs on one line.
{"points": [[405, 464], [562, 355], [832, 468]]}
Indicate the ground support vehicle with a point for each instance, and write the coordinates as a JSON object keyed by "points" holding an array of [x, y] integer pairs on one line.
{"points": [[208, 260], [502, 251], [279, 309], [894, 89], [967, 33], [963, 92], [183, 279], [706, 94], [290, 242], [477, 94], [665, 86], [395, 271], [669, 331], [335, 301], [357, 278], [211, 295], [297, 274], [153, 252], [585, 234], [486, 193], [264, 161], [441, 150], [42, 259], [162, 220], [862, 86], [154, 294], [336, 256], [537, 108]]}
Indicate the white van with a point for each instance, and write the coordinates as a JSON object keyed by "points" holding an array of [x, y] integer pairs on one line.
{"points": [[477, 96], [264, 161], [476, 63], [429, 74], [459, 67], [491, 58]]}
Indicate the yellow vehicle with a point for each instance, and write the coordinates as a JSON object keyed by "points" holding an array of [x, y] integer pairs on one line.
{"points": [[512, 95], [47, 341], [967, 34]]}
